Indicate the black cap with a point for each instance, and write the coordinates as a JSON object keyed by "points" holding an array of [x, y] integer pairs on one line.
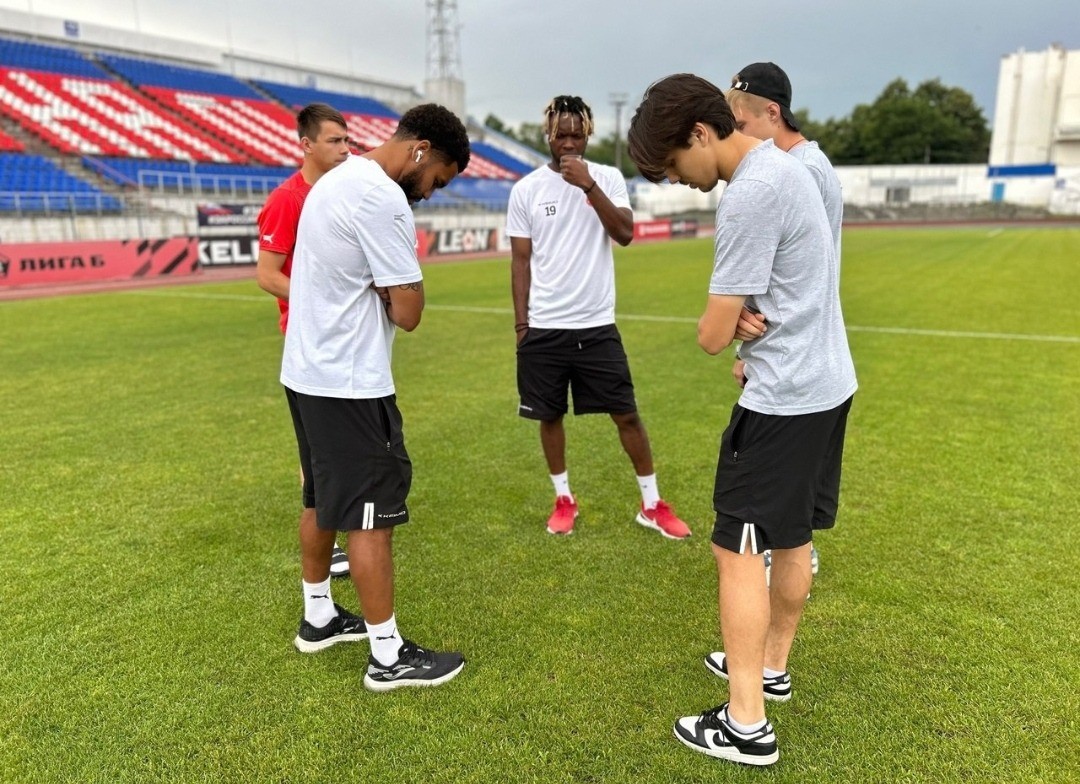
{"points": [[768, 81]]}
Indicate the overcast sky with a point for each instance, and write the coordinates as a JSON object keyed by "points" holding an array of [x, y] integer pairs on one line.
{"points": [[516, 55]]}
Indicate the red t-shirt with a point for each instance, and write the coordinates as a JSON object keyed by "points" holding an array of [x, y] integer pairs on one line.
{"points": [[277, 227]]}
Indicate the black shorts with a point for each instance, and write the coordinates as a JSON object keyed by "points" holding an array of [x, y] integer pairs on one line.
{"points": [[357, 473], [777, 478], [591, 362]]}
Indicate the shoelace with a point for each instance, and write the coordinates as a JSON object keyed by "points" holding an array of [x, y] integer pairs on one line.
{"points": [[710, 719], [414, 655]]}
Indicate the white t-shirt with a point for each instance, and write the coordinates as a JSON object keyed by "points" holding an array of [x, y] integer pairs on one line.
{"points": [[774, 245], [573, 270], [356, 228]]}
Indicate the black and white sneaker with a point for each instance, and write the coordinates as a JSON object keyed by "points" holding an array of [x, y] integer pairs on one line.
{"points": [[415, 666], [345, 627], [339, 563], [711, 734], [776, 689]]}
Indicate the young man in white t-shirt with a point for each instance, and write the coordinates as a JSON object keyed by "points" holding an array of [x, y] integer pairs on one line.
{"points": [[561, 221], [356, 279], [760, 100], [778, 472]]}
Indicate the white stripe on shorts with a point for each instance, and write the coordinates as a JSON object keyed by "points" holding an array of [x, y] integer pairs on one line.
{"points": [[748, 532], [369, 517]]}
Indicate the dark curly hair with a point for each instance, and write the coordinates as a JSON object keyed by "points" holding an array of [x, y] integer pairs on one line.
{"points": [[440, 126]]}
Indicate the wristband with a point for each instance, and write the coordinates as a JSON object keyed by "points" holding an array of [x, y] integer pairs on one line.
{"points": [[520, 327], [591, 187]]}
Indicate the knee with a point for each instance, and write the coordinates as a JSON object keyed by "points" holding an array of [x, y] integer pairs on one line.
{"points": [[630, 421]]}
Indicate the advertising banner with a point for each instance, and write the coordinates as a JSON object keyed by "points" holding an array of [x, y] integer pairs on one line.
{"points": [[51, 263], [652, 230], [214, 215], [223, 251], [436, 243]]}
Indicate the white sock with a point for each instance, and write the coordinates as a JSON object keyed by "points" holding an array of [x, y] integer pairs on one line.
{"points": [[650, 490], [385, 641], [744, 729], [562, 483], [318, 604], [773, 673]]}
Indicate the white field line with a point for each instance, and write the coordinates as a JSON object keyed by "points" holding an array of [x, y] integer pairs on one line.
{"points": [[930, 333]]}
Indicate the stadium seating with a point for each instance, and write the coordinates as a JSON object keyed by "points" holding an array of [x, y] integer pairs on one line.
{"points": [[80, 115], [181, 130], [500, 158], [297, 97], [371, 123], [144, 73], [30, 183], [41, 57], [266, 132], [8, 144]]}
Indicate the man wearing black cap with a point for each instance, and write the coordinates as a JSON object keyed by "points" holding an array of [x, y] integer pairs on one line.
{"points": [[779, 466]]}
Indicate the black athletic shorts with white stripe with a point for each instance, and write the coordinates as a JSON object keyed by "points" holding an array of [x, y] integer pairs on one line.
{"points": [[777, 478], [357, 473], [591, 362]]}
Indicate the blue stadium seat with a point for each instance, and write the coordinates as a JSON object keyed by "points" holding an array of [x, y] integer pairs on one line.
{"points": [[350, 104], [42, 57], [146, 73], [30, 183]]}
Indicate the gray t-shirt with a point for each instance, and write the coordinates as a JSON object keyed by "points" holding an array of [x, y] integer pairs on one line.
{"points": [[827, 182], [774, 246]]}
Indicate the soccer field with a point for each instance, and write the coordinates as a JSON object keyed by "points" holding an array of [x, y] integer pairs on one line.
{"points": [[150, 574]]}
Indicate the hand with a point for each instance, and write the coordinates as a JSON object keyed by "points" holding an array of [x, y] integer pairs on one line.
{"points": [[575, 171], [738, 371], [521, 333], [383, 292], [751, 325]]}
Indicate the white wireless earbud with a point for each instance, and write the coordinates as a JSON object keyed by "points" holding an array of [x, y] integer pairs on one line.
{"points": [[419, 155]]}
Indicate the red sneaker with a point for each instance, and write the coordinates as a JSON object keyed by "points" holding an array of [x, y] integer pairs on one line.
{"points": [[562, 519], [662, 518]]}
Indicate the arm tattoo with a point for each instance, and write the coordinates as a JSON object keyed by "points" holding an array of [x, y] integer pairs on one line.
{"points": [[413, 286]]}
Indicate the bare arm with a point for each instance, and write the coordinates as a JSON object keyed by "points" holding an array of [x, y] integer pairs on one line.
{"points": [[716, 327], [520, 279], [404, 304], [269, 276], [618, 222]]}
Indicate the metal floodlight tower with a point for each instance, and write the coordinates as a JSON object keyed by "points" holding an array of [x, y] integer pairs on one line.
{"points": [[444, 83]]}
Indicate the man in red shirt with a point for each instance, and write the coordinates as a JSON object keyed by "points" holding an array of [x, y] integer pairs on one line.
{"points": [[324, 139]]}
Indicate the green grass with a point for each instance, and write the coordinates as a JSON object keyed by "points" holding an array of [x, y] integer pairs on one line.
{"points": [[149, 572]]}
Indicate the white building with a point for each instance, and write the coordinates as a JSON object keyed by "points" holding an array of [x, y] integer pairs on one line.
{"points": [[1035, 144]]}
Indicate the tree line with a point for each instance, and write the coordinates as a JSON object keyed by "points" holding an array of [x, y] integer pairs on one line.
{"points": [[933, 123]]}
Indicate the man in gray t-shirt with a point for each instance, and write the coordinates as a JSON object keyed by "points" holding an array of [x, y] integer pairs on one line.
{"points": [[778, 472]]}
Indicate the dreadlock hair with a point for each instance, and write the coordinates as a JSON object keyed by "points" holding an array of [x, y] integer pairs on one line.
{"points": [[567, 104]]}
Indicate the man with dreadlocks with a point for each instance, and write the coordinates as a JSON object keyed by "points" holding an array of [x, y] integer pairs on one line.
{"points": [[561, 221]]}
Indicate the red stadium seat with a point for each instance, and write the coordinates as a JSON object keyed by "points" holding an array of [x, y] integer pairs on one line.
{"points": [[85, 116]]}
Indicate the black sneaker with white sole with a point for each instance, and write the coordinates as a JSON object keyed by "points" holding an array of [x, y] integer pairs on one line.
{"points": [[415, 666], [776, 689], [344, 627], [339, 563], [710, 733]]}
